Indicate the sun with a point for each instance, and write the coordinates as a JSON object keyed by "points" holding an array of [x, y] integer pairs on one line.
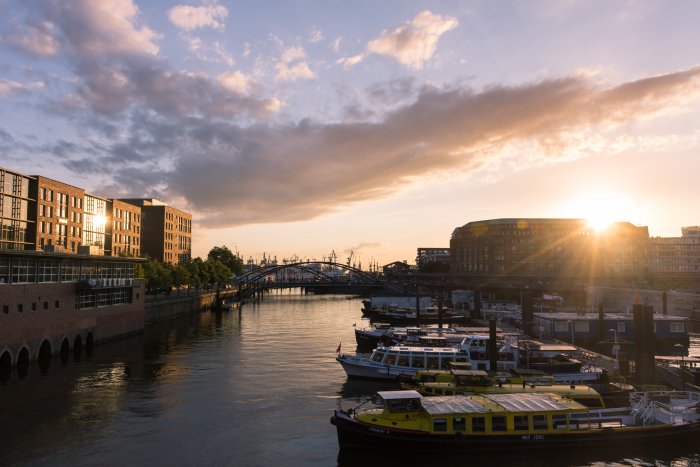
{"points": [[601, 209]]}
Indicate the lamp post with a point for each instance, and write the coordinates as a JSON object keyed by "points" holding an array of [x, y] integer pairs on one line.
{"points": [[616, 350], [571, 325], [681, 348]]}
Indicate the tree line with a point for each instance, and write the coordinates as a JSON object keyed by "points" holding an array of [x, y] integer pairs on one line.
{"points": [[217, 270]]}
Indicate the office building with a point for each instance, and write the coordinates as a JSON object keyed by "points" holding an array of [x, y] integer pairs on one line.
{"points": [[676, 254], [16, 223], [548, 247]]}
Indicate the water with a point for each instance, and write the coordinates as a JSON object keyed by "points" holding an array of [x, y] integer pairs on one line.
{"points": [[255, 388]]}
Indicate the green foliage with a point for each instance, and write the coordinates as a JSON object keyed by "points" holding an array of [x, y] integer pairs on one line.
{"points": [[226, 256]]}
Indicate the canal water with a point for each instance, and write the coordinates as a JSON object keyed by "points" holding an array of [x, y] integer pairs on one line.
{"points": [[254, 387]]}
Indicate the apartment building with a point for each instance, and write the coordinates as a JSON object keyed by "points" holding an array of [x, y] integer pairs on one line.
{"points": [[126, 229], [58, 213], [166, 232]]}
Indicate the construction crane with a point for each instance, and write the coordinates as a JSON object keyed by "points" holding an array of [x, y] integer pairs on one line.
{"points": [[352, 253]]}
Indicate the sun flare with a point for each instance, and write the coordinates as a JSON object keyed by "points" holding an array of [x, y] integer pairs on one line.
{"points": [[601, 209]]}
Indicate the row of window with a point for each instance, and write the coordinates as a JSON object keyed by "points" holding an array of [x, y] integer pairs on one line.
{"points": [[518, 423], [23, 271], [103, 297], [33, 307]]}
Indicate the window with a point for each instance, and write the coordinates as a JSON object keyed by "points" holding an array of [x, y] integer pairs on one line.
{"points": [[539, 422], [521, 423], [6, 309], [677, 327], [20, 308], [418, 361], [459, 424], [620, 327], [33, 306], [403, 360], [440, 425], [559, 421], [390, 359], [478, 424], [498, 423], [57, 304], [46, 305]]}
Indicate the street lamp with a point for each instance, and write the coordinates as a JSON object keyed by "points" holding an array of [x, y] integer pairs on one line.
{"points": [[616, 350], [571, 325], [681, 348]]}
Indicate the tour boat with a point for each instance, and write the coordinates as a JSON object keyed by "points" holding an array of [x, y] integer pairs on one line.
{"points": [[394, 362], [406, 422]]}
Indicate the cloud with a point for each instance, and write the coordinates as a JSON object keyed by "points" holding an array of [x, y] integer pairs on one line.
{"points": [[116, 67], [38, 39], [411, 44], [190, 18], [235, 81], [291, 66], [210, 52], [13, 87], [234, 176], [92, 29]]}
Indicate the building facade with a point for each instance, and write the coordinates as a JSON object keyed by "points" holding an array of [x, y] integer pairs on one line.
{"points": [[51, 302], [676, 254], [58, 215], [426, 256], [126, 229], [16, 223], [166, 232], [548, 247]]}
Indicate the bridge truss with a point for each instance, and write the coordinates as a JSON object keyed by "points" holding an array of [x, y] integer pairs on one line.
{"points": [[311, 273]]}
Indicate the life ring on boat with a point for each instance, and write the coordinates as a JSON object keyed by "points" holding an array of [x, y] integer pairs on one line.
{"points": [[482, 356], [503, 356]]}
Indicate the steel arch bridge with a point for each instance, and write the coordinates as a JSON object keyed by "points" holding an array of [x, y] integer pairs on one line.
{"points": [[313, 268]]}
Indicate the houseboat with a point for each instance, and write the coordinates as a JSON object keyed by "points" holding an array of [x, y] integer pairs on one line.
{"points": [[406, 422]]}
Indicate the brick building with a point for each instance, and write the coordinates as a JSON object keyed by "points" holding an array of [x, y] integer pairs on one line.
{"points": [[166, 232], [126, 229], [58, 215], [548, 247]]}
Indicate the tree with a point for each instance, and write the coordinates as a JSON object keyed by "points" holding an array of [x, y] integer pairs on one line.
{"points": [[180, 276], [226, 256]]}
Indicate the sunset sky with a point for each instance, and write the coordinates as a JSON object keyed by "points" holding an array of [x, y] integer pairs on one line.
{"points": [[303, 127]]}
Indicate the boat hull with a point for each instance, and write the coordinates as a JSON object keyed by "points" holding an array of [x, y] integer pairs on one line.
{"points": [[354, 435]]}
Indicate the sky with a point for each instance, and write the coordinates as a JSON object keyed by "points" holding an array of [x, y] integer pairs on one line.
{"points": [[305, 128]]}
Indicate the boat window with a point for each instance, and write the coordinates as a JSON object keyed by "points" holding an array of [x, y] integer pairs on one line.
{"points": [[459, 424], [377, 356], [478, 424], [559, 421], [418, 361], [440, 425], [539, 422], [432, 362], [520, 423], [390, 358], [498, 423], [403, 405], [403, 360]]}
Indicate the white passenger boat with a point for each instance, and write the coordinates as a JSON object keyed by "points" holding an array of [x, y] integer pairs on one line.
{"points": [[393, 362]]}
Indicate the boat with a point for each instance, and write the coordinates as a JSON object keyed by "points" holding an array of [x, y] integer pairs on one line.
{"points": [[372, 335], [394, 362], [407, 422]]}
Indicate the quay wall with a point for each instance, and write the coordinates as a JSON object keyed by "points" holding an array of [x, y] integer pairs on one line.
{"points": [[45, 314], [177, 305]]}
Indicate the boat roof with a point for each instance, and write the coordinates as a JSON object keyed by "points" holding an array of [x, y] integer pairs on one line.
{"points": [[688, 359], [398, 348], [393, 395], [514, 402], [470, 373]]}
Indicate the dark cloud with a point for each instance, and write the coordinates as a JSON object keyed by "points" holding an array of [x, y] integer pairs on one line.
{"points": [[234, 176]]}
